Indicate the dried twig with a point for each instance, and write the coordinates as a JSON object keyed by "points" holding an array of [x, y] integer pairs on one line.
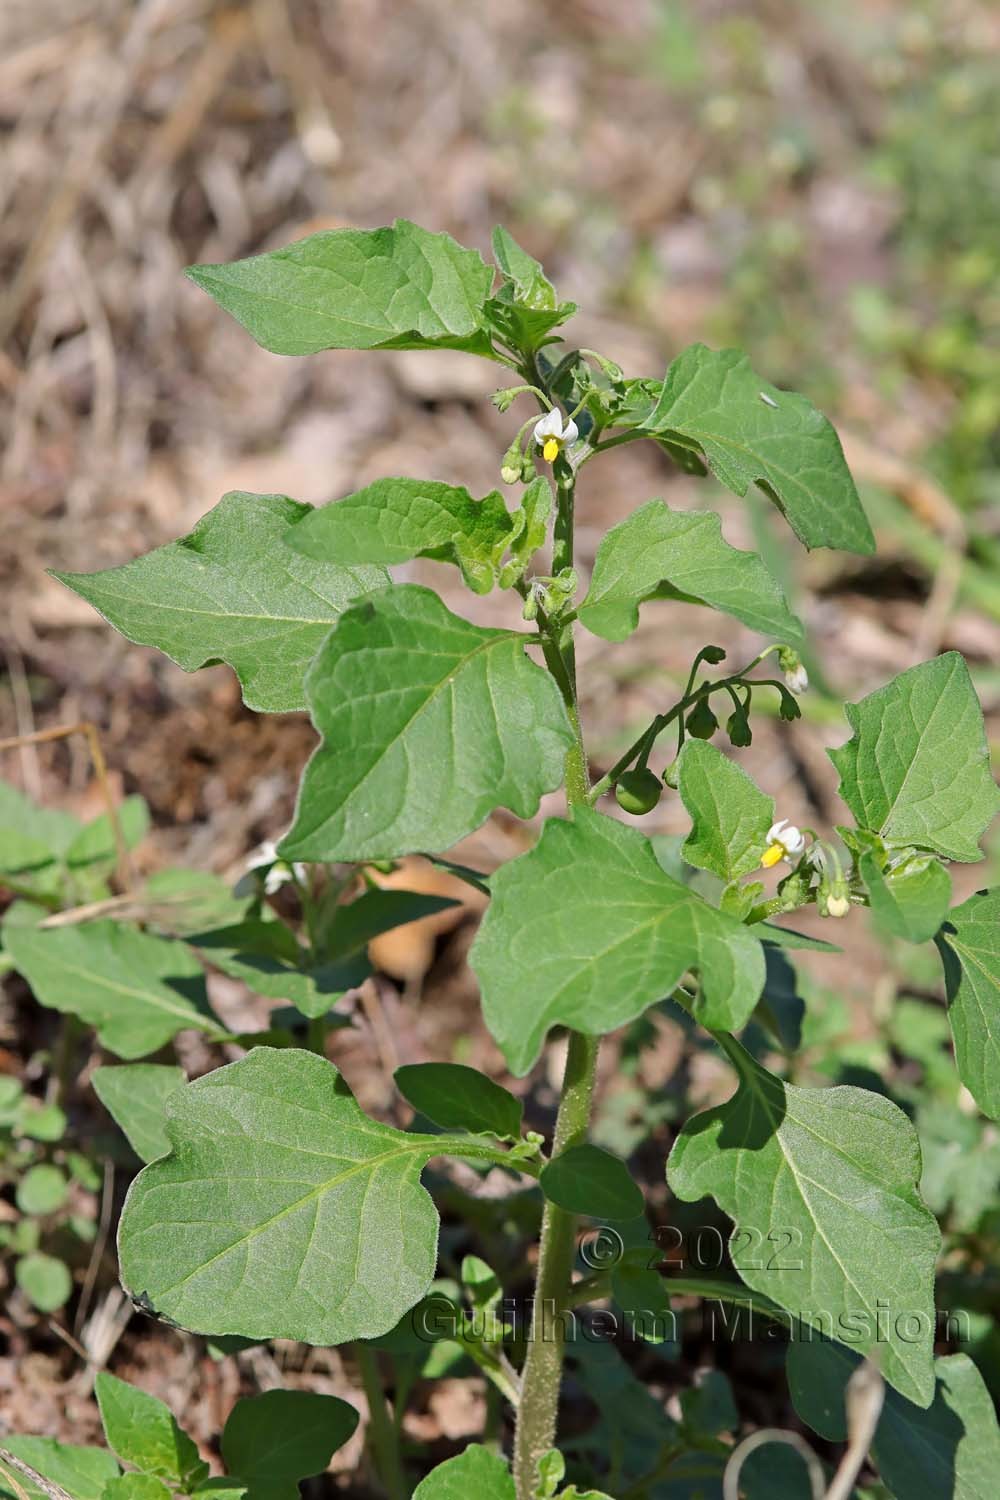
{"points": [[863, 1399], [740, 1454], [53, 1491]]}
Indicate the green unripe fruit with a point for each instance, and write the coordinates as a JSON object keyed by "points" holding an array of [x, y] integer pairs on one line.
{"points": [[638, 792], [702, 723], [738, 730]]}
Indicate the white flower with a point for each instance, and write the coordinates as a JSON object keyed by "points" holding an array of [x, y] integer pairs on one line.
{"points": [[277, 872], [552, 437], [838, 905], [797, 679], [784, 841]]}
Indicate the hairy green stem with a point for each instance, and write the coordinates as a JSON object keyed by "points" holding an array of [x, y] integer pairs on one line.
{"points": [[541, 1376], [382, 1433], [542, 1373]]}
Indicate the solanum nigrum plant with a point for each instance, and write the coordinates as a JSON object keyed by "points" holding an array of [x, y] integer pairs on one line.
{"points": [[272, 1206]]}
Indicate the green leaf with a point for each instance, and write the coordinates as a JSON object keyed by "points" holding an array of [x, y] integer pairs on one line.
{"points": [[917, 770], [822, 1186], [751, 432], [354, 923], [460, 1098], [95, 843], [525, 309], [265, 954], [273, 1440], [233, 590], [132, 1486], [41, 1122], [256, 951], [588, 1180], [475, 1471], [529, 282], [950, 1451], [394, 288], [143, 1431], [429, 723], [910, 903], [586, 930], [729, 813], [969, 944], [188, 901], [45, 1281], [31, 837], [631, 1424], [282, 1211], [394, 520], [137, 990], [81, 1472], [708, 1406], [135, 1097], [785, 937], [658, 553], [42, 1190]]}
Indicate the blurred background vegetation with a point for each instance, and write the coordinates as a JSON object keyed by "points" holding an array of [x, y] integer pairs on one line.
{"points": [[818, 184]]}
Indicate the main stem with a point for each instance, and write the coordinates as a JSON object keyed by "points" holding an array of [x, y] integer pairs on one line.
{"points": [[382, 1434], [541, 1376]]}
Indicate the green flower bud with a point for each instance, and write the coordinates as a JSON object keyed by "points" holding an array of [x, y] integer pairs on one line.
{"points": [[713, 654], [512, 464], [638, 792]]}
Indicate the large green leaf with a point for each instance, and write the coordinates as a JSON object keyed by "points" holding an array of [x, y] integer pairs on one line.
{"points": [[969, 943], [135, 1097], [663, 553], [282, 1211], [143, 1431], [233, 590], [909, 903], [400, 287], [917, 769], [730, 815], [475, 1471], [950, 1451], [394, 520], [750, 432], [279, 1437], [822, 1186], [81, 1472], [137, 990], [586, 930], [429, 723]]}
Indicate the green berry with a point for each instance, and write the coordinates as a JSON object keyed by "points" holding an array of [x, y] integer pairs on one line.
{"points": [[638, 792], [702, 723]]}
